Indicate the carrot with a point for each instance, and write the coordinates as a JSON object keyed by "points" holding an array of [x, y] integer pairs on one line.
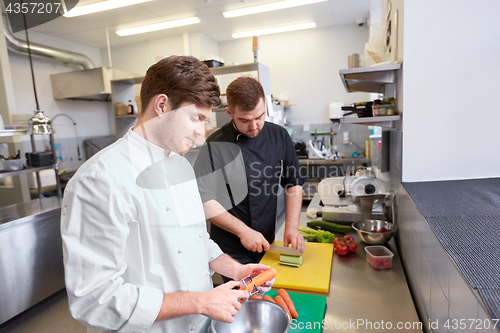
{"points": [[288, 300], [281, 302], [256, 296], [260, 279], [268, 298]]}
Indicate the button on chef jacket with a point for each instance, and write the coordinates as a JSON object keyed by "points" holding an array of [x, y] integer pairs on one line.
{"points": [[269, 161], [133, 228]]}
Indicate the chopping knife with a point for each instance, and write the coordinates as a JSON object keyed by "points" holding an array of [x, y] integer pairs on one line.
{"points": [[284, 250]]}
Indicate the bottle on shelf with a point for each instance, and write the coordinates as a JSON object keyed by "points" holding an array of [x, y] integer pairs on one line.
{"points": [[255, 49], [130, 107]]}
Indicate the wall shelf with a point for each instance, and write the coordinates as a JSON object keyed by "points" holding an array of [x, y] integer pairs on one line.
{"points": [[135, 115], [131, 80], [222, 70], [12, 132], [383, 121], [7, 173], [369, 79]]}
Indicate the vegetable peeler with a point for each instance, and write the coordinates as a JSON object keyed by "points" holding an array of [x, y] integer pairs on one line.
{"points": [[246, 282]]}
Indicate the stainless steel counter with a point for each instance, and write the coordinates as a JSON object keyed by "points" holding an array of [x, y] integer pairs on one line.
{"points": [[14, 214], [344, 160], [31, 266], [363, 299]]}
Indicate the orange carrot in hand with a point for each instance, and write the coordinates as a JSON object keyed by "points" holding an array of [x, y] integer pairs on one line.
{"points": [[281, 302], [255, 296], [260, 279], [288, 300], [268, 298]]}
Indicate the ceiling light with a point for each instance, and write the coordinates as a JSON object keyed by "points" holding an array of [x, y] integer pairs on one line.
{"points": [[268, 31], [268, 7], [101, 6], [158, 26]]}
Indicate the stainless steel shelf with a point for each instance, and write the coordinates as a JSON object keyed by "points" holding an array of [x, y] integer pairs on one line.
{"points": [[4, 173], [255, 66], [131, 80], [128, 116], [383, 121], [369, 79], [13, 132]]}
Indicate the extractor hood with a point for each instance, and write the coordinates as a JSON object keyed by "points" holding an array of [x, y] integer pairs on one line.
{"points": [[92, 84], [89, 84]]}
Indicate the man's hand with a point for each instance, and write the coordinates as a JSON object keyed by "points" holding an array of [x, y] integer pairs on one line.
{"points": [[294, 237], [254, 241], [222, 303]]}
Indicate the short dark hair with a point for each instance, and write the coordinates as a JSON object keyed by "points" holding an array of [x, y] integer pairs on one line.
{"points": [[244, 93], [182, 79]]}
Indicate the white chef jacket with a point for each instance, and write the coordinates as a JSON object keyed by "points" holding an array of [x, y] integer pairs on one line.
{"points": [[133, 228]]}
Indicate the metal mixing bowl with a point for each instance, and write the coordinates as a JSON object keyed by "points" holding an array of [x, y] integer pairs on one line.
{"points": [[364, 227], [256, 315]]}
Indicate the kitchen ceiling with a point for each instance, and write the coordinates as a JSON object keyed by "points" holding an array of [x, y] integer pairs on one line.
{"points": [[91, 29]]}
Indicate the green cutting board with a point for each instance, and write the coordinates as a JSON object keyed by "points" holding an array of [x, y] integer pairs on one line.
{"points": [[311, 310]]}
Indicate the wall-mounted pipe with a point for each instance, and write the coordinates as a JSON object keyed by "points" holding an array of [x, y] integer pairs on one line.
{"points": [[20, 46]]}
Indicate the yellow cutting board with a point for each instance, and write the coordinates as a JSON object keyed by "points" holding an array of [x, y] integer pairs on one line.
{"points": [[312, 275]]}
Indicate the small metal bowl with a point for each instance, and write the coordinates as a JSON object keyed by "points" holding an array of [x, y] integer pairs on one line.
{"points": [[364, 227], [255, 315]]}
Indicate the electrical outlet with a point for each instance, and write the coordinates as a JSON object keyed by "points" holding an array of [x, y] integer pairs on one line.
{"points": [[345, 138]]}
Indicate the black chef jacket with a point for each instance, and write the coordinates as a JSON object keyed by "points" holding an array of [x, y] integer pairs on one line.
{"points": [[269, 160]]}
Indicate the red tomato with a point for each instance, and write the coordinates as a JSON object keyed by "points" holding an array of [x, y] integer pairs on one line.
{"points": [[336, 241], [387, 262], [342, 249], [383, 230], [352, 246], [348, 237]]}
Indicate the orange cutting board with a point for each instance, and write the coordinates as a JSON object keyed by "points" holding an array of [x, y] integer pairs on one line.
{"points": [[312, 275]]}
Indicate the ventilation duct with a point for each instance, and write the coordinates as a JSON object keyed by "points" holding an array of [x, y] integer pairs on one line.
{"points": [[93, 84], [21, 47]]}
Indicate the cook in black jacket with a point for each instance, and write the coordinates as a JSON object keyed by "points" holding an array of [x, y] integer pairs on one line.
{"points": [[239, 174]]}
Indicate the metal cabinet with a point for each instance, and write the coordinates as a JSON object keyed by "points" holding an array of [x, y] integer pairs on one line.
{"points": [[31, 261]]}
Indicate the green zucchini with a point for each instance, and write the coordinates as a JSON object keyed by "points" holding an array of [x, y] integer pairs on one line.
{"points": [[330, 226]]}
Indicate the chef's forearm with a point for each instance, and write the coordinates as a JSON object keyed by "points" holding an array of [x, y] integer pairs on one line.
{"points": [[217, 215], [293, 205], [225, 265], [180, 304]]}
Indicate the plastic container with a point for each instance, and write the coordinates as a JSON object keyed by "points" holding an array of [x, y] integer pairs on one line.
{"points": [[379, 257], [13, 165], [383, 110], [390, 110]]}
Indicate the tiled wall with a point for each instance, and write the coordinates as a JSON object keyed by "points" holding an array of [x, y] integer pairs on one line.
{"points": [[69, 150], [439, 290]]}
